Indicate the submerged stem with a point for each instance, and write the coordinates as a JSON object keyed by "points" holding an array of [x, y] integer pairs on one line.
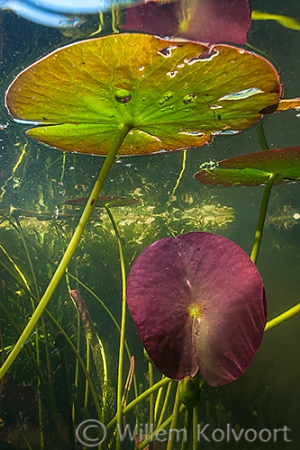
{"points": [[283, 317], [70, 250], [122, 328], [139, 399], [175, 415], [262, 217]]}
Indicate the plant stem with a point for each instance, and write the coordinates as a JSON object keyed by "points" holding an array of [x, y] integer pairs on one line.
{"points": [[262, 135], [262, 217], [112, 318], [176, 409], [51, 395], [188, 421], [67, 339], [122, 329], [151, 399], [196, 422], [157, 430], [95, 343], [140, 398], [183, 167], [283, 317], [69, 252], [165, 405]]}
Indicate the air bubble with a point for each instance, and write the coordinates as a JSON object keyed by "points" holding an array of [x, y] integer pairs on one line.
{"points": [[168, 108], [123, 96], [166, 97], [188, 98]]}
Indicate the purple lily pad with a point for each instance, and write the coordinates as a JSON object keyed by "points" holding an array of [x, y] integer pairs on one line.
{"points": [[201, 20], [198, 303]]}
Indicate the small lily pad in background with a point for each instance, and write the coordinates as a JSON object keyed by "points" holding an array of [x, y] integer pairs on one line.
{"points": [[198, 303], [253, 169], [103, 201], [200, 20], [171, 94]]}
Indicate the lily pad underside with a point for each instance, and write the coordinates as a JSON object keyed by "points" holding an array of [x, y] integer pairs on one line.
{"points": [[254, 169], [172, 94], [198, 303]]}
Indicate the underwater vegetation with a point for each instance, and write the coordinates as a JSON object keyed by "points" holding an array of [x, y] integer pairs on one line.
{"points": [[202, 298], [197, 300], [162, 96]]}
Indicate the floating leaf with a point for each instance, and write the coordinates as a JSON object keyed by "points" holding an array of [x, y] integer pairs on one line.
{"points": [[103, 201], [171, 94], [198, 302], [253, 169], [201, 20]]}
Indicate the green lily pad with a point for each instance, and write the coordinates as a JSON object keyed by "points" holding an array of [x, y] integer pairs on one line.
{"points": [[172, 94], [253, 169]]}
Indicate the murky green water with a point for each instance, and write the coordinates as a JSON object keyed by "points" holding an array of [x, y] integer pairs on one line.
{"points": [[35, 229]]}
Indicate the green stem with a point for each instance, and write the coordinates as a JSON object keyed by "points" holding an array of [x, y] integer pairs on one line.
{"points": [[68, 340], [176, 410], [80, 283], [262, 135], [262, 217], [283, 317], [151, 403], [45, 331], [23, 434], [69, 252], [60, 345], [21, 233], [5, 313], [112, 318], [122, 330], [165, 405], [163, 426], [188, 421], [183, 167], [196, 417], [196, 422], [139, 399], [49, 399], [95, 343]]}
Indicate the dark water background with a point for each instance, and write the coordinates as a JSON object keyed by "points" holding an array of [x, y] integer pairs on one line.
{"points": [[267, 395]]}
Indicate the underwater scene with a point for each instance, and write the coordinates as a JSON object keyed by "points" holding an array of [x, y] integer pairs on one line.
{"points": [[149, 225]]}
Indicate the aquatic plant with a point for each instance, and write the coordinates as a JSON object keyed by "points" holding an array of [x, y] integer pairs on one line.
{"points": [[278, 166], [269, 167], [132, 94], [198, 303], [153, 101], [253, 169]]}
